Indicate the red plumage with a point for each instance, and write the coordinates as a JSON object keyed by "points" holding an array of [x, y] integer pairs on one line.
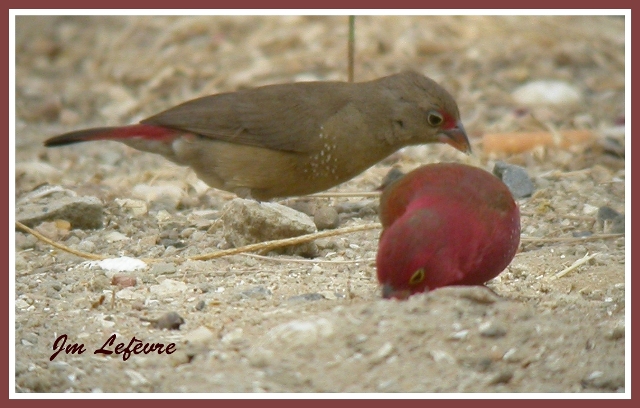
{"points": [[445, 224]]}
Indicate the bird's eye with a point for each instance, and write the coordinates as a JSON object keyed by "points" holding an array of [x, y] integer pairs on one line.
{"points": [[434, 119], [417, 277]]}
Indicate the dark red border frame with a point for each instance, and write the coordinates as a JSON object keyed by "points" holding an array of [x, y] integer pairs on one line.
{"points": [[327, 4]]}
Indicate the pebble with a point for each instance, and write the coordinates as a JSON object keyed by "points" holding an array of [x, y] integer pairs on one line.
{"points": [[492, 329], [123, 281], [122, 264], [163, 269], [259, 357], [50, 230], [248, 222], [307, 297], [37, 172], [233, 336], [257, 292], [440, 356], [131, 294], [354, 206], [301, 333], [114, 236], [326, 217], [168, 288], [459, 335], [616, 332], [516, 178], [603, 380], [200, 336], [133, 207], [612, 221], [547, 92], [501, 377], [80, 212], [382, 353], [169, 321]]}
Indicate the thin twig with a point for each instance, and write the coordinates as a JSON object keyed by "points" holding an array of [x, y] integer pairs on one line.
{"points": [[268, 245], [312, 261], [59, 246], [573, 266], [571, 239], [347, 194]]}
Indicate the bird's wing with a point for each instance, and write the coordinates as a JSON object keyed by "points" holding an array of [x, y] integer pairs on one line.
{"points": [[286, 117]]}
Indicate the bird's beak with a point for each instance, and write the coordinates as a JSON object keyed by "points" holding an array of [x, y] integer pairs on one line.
{"points": [[456, 137], [389, 292]]}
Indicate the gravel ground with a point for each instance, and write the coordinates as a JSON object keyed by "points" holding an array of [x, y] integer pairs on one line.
{"points": [[281, 323]]}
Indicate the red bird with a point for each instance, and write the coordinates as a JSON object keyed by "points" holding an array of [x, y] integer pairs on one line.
{"points": [[445, 224]]}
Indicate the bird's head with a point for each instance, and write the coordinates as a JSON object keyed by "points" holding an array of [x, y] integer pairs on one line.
{"points": [[410, 258], [424, 112]]}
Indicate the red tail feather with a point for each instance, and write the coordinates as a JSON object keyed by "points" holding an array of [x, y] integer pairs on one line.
{"points": [[150, 132]]}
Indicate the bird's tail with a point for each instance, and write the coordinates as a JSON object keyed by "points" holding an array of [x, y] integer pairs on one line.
{"points": [[121, 133]]}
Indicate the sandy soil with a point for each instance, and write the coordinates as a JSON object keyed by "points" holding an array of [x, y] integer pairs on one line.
{"points": [[290, 324]]}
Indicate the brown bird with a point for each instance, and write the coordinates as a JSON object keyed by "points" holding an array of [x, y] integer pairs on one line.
{"points": [[293, 139]]}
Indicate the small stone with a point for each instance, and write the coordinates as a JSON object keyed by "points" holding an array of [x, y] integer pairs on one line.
{"points": [[21, 264], [329, 295], [233, 336], [588, 209], [257, 292], [547, 92], [25, 241], [604, 380], [136, 378], [49, 230], [307, 297], [36, 173], [260, 357], [248, 222], [305, 206], [22, 304], [516, 179], [501, 377], [169, 321], [612, 221], [115, 236], [163, 269], [326, 217], [123, 281], [352, 206], [168, 288], [492, 329], [513, 355], [382, 353], [459, 335], [165, 196], [134, 207], [122, 264], [80, 212], [440, 356], [301, 333], [617, 332], [199, 336]]}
